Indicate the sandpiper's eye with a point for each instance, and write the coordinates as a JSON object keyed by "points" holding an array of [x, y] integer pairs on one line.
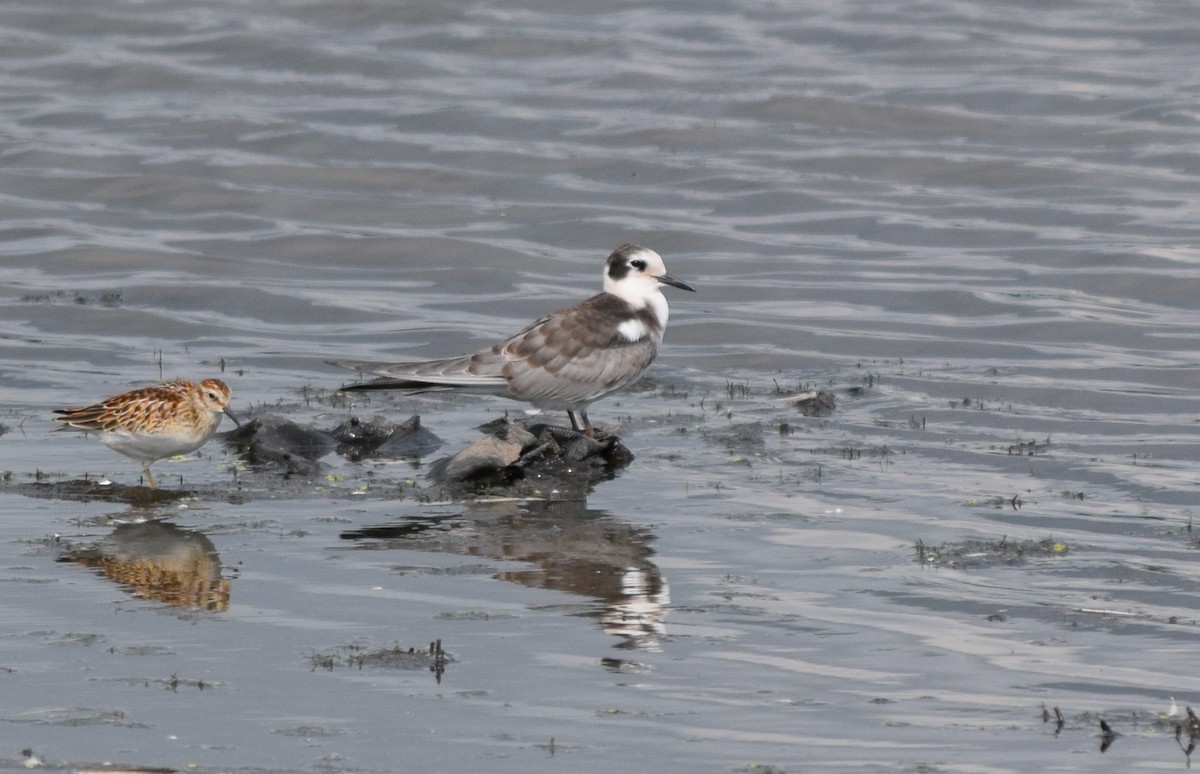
{"points": [[214, 397], [638, 264]]}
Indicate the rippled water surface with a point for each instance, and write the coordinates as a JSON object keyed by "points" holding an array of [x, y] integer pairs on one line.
{"points": [[974, 223]]}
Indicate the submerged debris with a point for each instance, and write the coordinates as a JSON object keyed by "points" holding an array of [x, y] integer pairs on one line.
{"points": [[1185, 729], [1107, 735], [808, 401], [358, 656], [1029, 448], [744, 438], [816, 404], [987, 553], [110, 299]]}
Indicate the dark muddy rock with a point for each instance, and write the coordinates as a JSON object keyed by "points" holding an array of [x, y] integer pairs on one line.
{"points": [[487, 457], [531, 460], [277, 442], [93, 490], [380, 437], [274, 442]]}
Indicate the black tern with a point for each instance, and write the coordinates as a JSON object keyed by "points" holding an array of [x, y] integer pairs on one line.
{"points": [[564, 361]]}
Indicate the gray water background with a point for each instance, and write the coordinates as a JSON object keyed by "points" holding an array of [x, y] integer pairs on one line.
{"points": [[975, 222]]}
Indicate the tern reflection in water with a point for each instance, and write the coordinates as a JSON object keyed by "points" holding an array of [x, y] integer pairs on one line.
{"points": [[573, 549]]}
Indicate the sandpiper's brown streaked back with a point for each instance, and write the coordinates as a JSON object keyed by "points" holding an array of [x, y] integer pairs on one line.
{"points": [[154, 422]]}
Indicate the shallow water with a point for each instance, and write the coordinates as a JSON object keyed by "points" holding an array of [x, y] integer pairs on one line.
{"points": [[975, 224]]}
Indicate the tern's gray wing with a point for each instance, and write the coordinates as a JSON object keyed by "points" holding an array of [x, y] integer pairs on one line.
{"points": [[564, 360], [575, 356]]}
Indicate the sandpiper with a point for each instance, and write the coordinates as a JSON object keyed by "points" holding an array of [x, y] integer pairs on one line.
{"points": [[150, 423]]}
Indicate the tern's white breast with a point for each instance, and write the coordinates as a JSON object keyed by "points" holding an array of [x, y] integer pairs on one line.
{"points": [[632, 330]]}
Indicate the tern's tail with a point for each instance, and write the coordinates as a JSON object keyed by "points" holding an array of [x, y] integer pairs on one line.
{"points": [[424, 376]]}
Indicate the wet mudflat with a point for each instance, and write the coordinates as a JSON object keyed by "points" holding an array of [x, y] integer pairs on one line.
{"points": [[972, 229], [803, 606]]}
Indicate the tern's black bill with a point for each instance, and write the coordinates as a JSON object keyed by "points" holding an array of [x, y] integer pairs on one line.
{"points": [[667, 279]]}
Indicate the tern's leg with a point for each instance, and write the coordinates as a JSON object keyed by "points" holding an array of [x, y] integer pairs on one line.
{"points": [[150, 477], [587, 428]]}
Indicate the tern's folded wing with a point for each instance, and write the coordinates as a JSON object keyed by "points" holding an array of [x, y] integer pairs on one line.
{"points": [[582, 353]]}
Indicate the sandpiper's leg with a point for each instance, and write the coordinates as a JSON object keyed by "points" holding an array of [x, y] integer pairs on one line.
{"points": [[150, 477]]}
